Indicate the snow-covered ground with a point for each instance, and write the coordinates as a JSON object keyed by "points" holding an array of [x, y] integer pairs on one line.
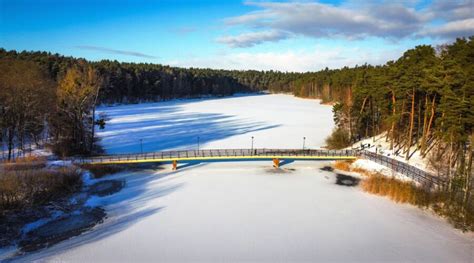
{"points": [[380, 145], [246, 211]]}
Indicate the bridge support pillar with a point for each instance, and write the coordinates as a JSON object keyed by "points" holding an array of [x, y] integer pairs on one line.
{"points": [[276, 163], [175, 165]]}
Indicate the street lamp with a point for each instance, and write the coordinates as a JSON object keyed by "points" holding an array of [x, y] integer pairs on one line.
{"points": [[251, 148], [141, 146], [304, 140]]}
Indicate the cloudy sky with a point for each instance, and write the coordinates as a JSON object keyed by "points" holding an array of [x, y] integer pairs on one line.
{"points": [[279, 35]]}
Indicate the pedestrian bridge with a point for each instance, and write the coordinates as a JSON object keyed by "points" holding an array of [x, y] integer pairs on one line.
{"points": [[227, 155]]}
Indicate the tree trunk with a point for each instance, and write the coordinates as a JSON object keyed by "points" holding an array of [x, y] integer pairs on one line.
{"points": [[392, 129], [91, 146], [412, 118], [425, 124], [428, 129], [349, 112], [367, 124], [360, 112], [11, 136], [450, 164], [418, 124], [363, 105], [372, 116], [467, 182], [400, 133]]}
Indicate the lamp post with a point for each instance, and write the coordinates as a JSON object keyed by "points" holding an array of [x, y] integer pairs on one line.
{"points": [[198, 143], [141, 146], [251, 148], [304, 140]]}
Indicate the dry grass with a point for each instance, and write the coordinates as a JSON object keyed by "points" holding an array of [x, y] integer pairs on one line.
{"points": [[29, 159], [25, 163], [343, 165], [360, 171], [21, 188], [99, 170], [23, 166], [396, 190], [441, 203]]}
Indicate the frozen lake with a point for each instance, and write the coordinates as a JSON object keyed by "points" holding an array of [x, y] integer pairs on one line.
{"points": [[246, 211], [278, 121]]}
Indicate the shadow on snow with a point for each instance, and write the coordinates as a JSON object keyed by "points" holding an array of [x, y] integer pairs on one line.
{"points": [[162, 126], [124, 208]]}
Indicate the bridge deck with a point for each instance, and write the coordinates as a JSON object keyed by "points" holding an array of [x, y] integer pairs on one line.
{"points": [[420, 176], [223, 155]]}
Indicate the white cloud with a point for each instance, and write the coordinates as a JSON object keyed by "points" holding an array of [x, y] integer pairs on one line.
{"points": [[451, 9], [388, 20], [292, 60], [452, 29]]}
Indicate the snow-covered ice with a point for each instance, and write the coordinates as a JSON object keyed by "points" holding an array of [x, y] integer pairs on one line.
{"points": [[246, 211], [278, 121]]}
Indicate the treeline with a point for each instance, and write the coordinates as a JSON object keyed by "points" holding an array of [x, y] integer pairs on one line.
{"points": [[424, 101], [135, 82], [34, 105], [53, 96]]}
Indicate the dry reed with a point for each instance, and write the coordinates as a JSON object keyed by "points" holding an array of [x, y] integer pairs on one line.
{"points": [[343, 165]]}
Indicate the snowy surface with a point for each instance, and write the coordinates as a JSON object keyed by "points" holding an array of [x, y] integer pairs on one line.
{"points": [[33, 151], [380, 145], [371, 166], [278, 121], [246, 211], [58, 164]]}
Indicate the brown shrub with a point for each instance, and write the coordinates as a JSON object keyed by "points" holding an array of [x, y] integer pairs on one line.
{"points": [[20, 188], [338, 139]]}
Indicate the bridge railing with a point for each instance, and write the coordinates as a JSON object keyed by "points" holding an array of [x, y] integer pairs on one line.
{"points": [[424, 178], [418, 175], [217, 153]]}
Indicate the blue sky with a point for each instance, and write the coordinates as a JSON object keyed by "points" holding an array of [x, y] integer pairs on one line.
{"points": [[287, 36]]}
